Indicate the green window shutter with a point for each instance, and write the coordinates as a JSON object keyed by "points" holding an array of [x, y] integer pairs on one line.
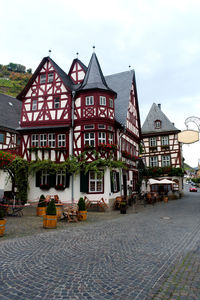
{"points": [[67, 180], [84, 180], [111, 182], [52, 180], [118, 185], [38, 179]]}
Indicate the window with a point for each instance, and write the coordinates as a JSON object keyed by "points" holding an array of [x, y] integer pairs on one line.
{"points": [[43, 140], [44, 178], [110, 128], [111, 103], [89, 126], [61, 178], [89, 138], [101, 126], [165, 140], [35, 140], [50, 77], [153, 161], [51, 140], [102, 100], [110, 138], [95, 182], [101, 137], [157, 124], [56, 102], [89, 100], [61, 140], [2, 138], [152, 142], [43, 78], [165, 161], [34, 105], [18, 140]]}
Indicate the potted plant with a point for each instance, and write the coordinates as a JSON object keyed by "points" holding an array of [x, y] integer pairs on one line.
{"points": [[82, 210], [123, 206], [41, 208], [2, 222], [50, 219]]}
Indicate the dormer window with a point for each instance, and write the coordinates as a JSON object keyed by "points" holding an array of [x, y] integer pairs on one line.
{"points": [[56, 102], [50, 77], [43, 78], [157, 124], [89, 100], [34, 105], [102, 101]]}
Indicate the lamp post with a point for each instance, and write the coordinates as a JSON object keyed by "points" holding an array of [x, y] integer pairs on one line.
{"points": [[120, 156], [72, 141]]}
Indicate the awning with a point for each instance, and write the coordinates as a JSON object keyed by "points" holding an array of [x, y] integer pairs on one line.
{"points": [[167, 181], [153, 181]]}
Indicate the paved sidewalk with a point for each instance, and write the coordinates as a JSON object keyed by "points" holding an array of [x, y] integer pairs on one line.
{"points": [[153, 254]]}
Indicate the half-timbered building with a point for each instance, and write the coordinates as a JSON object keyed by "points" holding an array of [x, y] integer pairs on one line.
{"points": [[66, 114], [161, 146]]}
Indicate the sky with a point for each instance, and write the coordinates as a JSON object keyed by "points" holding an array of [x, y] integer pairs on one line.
{"points": [[159, 39]]}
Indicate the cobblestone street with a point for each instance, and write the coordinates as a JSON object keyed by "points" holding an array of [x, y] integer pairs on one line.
{"points": [[152, 254]]}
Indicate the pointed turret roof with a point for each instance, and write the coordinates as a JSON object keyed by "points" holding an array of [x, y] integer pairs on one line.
{"points": [[156, 114], [94, 78]]}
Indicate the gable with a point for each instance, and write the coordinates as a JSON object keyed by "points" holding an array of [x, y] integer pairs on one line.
{"points": [[77, 71]]}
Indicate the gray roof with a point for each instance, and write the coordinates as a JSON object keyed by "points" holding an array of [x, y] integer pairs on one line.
{"points": [[121, 83], [155, 114], [10, 112]]}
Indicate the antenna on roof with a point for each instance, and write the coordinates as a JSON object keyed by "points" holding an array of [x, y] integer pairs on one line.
{"points": [[49, 52], [77, 54], [93, 48]]}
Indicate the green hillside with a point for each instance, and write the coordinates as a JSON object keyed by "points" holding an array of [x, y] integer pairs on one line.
{"points": [[13, 78], [188, 168]]}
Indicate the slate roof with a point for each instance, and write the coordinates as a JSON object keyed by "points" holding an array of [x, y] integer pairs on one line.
{"points": [[154, 114], [10, 112]]}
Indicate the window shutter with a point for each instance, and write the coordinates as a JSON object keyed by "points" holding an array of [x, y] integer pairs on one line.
{"points": [[38, 179], [67, 180], [84, 179], [118, 185], [111, 182], [52, 180]]}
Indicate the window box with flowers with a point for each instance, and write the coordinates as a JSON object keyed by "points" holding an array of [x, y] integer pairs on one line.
{"points": [[59, 187], [165, 147], [107, 147], [44, 186], [153, 148], [88, 147]]}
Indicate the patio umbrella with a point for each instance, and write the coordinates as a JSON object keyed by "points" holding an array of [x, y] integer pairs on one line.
{"points": [[153, 181], [166, 181]]}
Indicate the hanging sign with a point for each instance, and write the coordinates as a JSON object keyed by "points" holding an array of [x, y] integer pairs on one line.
{"points": [[188, 136]]}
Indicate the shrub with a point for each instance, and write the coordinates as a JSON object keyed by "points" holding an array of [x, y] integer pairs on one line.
{"points": [[42, 202], [1, 213], [81, 204], [51, 208]]}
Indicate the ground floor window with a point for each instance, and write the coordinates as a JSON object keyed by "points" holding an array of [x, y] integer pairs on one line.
{"points": [[61, 178], [95, 182], [153, 161], [44, 178]]}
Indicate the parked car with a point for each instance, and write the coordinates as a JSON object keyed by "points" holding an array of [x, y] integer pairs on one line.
{"points": [[193, 189]]}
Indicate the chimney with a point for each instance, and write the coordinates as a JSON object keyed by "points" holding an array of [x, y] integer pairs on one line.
{"points": [[159, 105]]}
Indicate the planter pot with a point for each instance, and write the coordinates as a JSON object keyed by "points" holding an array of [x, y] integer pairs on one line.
{"points": [[49, 221], [165, 198], [41, 211], [2, 226], [82, 216]]}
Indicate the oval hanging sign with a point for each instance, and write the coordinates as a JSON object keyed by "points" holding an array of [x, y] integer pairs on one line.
{"points": [[188, 136]]}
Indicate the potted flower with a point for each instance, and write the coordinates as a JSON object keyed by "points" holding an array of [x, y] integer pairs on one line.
{"points": [[123, 206], [60, 187], [50, 219], [2, 222], [82, 210], [41, 208], [44, 186]]}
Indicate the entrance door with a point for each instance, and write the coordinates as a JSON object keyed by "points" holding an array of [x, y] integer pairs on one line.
{"points": [[125, 184]]}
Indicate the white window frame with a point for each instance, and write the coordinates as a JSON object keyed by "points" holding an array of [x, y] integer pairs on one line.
{"points": [[89, 100], [61, 178], [44, 177], [95, 182], [157, 124], [110, 138], [42, 78], [51, 140], [50, 77], [56, 102], [101, 138], [101, 126], [153, 161], [34, 104], [166, 161], [3, 136], [89, 138], [102, 101], [87, 127], [111, 103], [35, 140], [43, 140], [165, 140], [152, 142], [62, 140]]}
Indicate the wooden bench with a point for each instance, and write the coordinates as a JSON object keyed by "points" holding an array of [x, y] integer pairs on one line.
{"points": [[70, 212], [100, 203]]}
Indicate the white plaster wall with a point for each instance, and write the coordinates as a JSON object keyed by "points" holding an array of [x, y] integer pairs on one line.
{"points": [[5, 183]]}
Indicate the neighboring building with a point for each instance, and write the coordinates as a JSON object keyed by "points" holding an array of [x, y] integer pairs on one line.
{"points": [[71, 112], [10, 111], [161, 146]]}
